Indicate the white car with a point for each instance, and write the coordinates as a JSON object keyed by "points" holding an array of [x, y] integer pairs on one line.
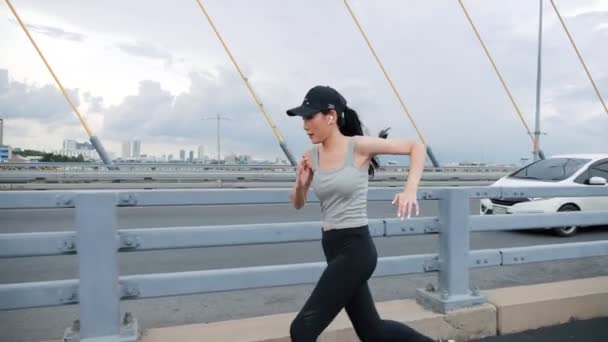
{"points": [[561, 170]]}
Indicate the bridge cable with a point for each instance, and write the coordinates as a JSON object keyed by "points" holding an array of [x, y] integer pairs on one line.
{"points": [[597, 92], [94, 140], [502, 81], [390, 81], [249, 87]]}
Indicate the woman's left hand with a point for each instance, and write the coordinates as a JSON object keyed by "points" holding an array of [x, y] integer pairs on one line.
{"points": [[406, 202]]}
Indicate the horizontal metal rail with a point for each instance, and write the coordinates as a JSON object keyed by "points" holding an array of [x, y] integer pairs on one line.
{"points": [[154, 166], [66, 199], [63, 292], [145, 239]]}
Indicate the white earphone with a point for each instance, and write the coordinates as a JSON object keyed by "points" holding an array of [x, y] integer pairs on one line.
{"points": [[331, 120]]}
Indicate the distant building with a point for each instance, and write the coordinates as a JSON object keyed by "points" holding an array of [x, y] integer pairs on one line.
{"points": [[72, 145], [279, 161], [1, 132], [3, 82], [73, 148], [182, 155], [201, 153], [191, 156], [69, 145], [136, 149], [126, 150], [237, 159], [5, 153]]}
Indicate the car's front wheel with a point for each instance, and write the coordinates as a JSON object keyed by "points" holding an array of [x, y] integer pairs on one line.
{"points": [[570, 230]]}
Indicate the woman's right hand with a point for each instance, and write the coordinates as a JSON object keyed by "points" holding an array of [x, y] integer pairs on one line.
{"points": [[304, 172]]}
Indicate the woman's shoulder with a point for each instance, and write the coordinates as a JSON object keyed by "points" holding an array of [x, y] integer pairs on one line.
{"points": [[359, 142], [360, 139], [367, 142], [356, 140], [311, 150]]}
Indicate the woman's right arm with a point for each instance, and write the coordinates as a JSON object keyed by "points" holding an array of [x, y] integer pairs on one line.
{"points": [[298, 196], [304, 175]]}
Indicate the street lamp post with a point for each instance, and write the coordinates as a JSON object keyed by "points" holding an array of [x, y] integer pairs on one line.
{"points": [[218, 118]]}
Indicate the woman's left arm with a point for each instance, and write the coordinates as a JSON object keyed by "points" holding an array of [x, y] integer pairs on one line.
{"points": [[372, 146]]}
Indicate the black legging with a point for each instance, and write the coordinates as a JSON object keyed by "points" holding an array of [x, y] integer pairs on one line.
{"points": [[351, 259]]}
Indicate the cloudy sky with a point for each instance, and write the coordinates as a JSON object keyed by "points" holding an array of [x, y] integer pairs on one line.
{"points": [[152, 70]]}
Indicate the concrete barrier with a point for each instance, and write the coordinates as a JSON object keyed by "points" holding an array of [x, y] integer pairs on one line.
{"points": [[473, 322], [523, 308], [509, 310]]}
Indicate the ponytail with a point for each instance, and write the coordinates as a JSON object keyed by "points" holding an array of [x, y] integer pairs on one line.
{"points": [[350, 125]]}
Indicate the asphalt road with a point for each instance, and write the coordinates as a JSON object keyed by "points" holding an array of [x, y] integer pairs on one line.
{"points": [[593, 330], [43, 323]]}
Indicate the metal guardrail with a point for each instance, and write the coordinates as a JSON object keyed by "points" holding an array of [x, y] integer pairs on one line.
{"points": [[163, 176], [219, 184], [136, 166], [182, 166], [99, 288], [233, 177]]}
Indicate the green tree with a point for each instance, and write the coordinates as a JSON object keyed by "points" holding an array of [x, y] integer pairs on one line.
{"points": [[51, 157]]}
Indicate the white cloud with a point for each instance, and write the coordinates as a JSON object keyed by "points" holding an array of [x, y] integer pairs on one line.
{"points": [[147, 50], [55, 32], [45, 103], [151, 71]]}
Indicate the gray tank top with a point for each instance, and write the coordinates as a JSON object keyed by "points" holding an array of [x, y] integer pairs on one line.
{"points": [[342, 191]]}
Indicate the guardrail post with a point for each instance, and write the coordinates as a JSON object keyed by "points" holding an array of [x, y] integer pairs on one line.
{"points": [[454, 290], [98, 289]]}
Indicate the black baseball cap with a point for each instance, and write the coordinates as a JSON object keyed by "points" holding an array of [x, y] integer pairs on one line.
{"points": [[319, 99]]}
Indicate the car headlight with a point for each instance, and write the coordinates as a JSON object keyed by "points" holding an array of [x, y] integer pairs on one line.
{"points": [[536, 198]]}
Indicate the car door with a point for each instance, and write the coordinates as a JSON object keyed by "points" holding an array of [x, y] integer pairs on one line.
{"points": [[599, 169]]}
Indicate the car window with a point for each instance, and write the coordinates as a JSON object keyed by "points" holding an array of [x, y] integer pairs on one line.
{"points": [[600, 170], [552, 169], [603, 167]]}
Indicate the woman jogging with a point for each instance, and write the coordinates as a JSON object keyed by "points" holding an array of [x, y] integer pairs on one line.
{"points": [[337, 168]]}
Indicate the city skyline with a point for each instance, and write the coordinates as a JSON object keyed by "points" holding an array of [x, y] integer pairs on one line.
{"points": [[73, 148], [132, 152]]}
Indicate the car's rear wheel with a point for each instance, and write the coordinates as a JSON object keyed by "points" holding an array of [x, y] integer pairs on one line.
{"points": [[569, 230]]}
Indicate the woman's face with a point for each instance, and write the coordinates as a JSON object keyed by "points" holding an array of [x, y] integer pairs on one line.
{"points": [[319, 126]]}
